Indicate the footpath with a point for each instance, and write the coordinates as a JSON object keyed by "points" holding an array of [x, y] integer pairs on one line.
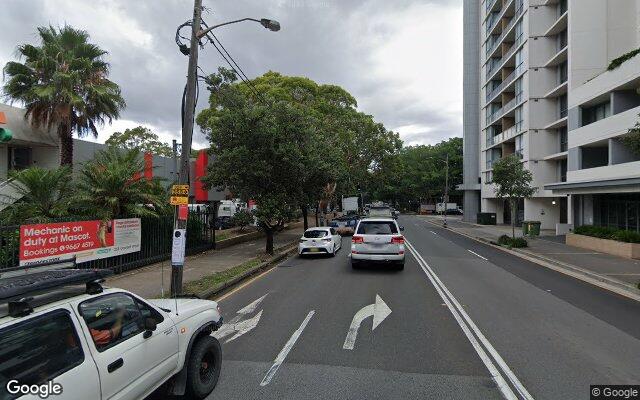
{"points": [[620, 275], [152, 280]]}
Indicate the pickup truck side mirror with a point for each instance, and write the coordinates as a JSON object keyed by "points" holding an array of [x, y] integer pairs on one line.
{"points": [[150, 325]]}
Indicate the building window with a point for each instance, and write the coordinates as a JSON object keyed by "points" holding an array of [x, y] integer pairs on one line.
{"points": [[561, 40], [519, 147], [562, 73], [519, 118], [619, 211], [562, 105], [563, 170], [596, 113], [562, 7], [488, 177], [564, 139]]}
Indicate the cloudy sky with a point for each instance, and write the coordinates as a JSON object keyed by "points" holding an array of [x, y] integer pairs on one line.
{"points": [[401, 59]]}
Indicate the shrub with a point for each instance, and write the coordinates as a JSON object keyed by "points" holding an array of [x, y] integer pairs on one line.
{"points": [[616, 62], [508, 241], [604, 232], [241, 219]]}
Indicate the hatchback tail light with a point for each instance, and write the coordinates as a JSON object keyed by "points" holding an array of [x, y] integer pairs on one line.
{"points": [[357, 239], [397, 240], [326, 240]]}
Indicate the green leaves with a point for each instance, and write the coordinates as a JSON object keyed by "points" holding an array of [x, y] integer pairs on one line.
{"points": [[141, 139], [632, 139], [512, 180]]}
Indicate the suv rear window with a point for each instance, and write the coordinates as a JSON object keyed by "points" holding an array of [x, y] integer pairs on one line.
{"points": [[38, 350], [377, 228], [315, 234]]}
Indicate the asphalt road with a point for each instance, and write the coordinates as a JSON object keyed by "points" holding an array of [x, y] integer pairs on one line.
{"points": [[462, 325]]}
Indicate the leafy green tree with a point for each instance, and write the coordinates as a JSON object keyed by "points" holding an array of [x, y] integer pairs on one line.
{"points": [[512, 182], [242, 219], [112, 186], [632, 139], [63, 84], [142, 139], [256, 148], [41, 195]]}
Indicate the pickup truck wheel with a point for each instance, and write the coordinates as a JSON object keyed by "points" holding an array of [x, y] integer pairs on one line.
{"points": [[203, 368]]}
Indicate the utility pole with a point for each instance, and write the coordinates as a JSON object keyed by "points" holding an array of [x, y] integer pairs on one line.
{"points": [[187, 131], [446, 191]]}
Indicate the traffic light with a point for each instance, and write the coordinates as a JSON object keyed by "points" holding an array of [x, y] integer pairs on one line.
{"points": [[5, 135]]}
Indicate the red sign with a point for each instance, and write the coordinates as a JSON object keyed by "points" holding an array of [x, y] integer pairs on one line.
{"points": [[87, 240], [183, 212]]}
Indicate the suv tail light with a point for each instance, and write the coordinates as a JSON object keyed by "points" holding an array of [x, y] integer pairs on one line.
{"points": [[397, 240], [357, 239]]}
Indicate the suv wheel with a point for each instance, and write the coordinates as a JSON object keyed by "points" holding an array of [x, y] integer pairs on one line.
{"points": [[203, 368]]}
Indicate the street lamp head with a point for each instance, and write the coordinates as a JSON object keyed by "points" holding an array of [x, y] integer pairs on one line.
{"points": [[270, 24]]}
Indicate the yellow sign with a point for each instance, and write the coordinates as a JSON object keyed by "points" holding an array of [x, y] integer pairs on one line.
{"points": [[180, 191], [179, 200]]}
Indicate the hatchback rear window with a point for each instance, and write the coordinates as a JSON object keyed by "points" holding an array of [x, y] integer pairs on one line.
{"points": [[315, 234], [377, 228]]}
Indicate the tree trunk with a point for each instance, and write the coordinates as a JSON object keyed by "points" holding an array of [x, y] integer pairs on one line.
{"points": [[305, 215], [512, 203], [66, 146], [317, 224], [269, 233]]}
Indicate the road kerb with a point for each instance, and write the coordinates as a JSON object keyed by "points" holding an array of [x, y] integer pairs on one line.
{"points": [[600, 281], [284, 252]]}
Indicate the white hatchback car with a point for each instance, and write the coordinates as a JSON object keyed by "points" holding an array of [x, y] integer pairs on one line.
{"points": [[377, 240], [322, 240]]}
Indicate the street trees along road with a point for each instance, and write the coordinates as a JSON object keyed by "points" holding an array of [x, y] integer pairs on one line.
{"points": [[418, 172], [283, 147], [141, 138], [512, 182]]}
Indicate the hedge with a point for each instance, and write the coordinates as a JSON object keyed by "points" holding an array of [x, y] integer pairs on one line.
{"points": [[508, 241], [604, 232]]}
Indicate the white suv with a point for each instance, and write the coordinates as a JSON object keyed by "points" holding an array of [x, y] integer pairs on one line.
{"points": [[61, 330], [377, 240]]}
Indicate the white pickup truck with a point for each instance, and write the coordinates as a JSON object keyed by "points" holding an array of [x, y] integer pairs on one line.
{"points": [[63, 335]]}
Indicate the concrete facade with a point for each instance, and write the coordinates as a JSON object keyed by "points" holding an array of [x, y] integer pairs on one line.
{"points": [[546, 95]]}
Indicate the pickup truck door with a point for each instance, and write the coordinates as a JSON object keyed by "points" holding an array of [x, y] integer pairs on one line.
{"points": [[133, 362], [49, 346]]}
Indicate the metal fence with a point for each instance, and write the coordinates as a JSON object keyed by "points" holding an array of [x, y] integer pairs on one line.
{"points": [[156, 238]]}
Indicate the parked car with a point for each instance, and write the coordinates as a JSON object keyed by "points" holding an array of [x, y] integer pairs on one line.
{"points": [[378, 241], [62, 328], [324, 240]]}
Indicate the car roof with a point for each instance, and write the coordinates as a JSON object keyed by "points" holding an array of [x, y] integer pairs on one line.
{"points": [[378, 219], [318, 228]]}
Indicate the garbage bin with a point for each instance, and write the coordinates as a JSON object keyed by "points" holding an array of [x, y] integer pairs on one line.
{"points": [[534, 228], [525, 228]]}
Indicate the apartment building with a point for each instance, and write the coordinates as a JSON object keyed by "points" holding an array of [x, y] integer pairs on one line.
{"points": [[546, 95]]}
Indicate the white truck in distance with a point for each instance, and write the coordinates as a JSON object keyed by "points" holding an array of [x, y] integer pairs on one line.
{"points": [[451, 208], [350, 204]]}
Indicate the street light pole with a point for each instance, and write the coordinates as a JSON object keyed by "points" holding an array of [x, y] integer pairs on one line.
{"points": [[187, 131]]}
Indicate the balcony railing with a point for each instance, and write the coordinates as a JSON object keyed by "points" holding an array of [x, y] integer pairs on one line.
{"points": [[489, 5], [491, 22], [510, 78], [504, 135], [491, 46]]}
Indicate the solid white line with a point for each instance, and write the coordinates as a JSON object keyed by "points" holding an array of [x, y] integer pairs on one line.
{"points": [[285, 350], [460, 314], [473, 252]]}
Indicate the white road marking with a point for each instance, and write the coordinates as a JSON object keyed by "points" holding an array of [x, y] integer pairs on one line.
{"points": [[245, 326], [251, 307], [285, 350], [468, 326], [379, 310], [473, 252]]}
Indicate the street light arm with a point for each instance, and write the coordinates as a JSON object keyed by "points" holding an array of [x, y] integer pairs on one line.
{"points": [[267, 23]]}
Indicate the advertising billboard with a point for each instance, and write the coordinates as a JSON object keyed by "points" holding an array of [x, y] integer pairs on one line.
{"points": [[86, 240]]}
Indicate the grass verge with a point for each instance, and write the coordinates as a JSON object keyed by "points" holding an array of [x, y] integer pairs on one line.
{"points": [[209, 281]]}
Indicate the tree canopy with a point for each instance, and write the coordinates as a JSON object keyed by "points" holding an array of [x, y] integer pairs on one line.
{"points": [[512, 182], [142, 139], [63, 85]]}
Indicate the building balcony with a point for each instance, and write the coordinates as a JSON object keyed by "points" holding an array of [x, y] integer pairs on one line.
{"points": [[558, 58], [519, 70], [490, 6], [504, 136], [557, 91], [517, 44], [557, 156], [610, 127], [493, 21], [559, 123], [492, 45], [559, 25]]}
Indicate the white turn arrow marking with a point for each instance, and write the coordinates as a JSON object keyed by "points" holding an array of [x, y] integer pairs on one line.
{"points": [[245, 326], [237, 327], [379, 310]]}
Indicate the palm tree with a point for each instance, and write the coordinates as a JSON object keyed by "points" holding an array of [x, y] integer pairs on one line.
{"points": [[63, 84], [40, 195], [112, 186]]}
